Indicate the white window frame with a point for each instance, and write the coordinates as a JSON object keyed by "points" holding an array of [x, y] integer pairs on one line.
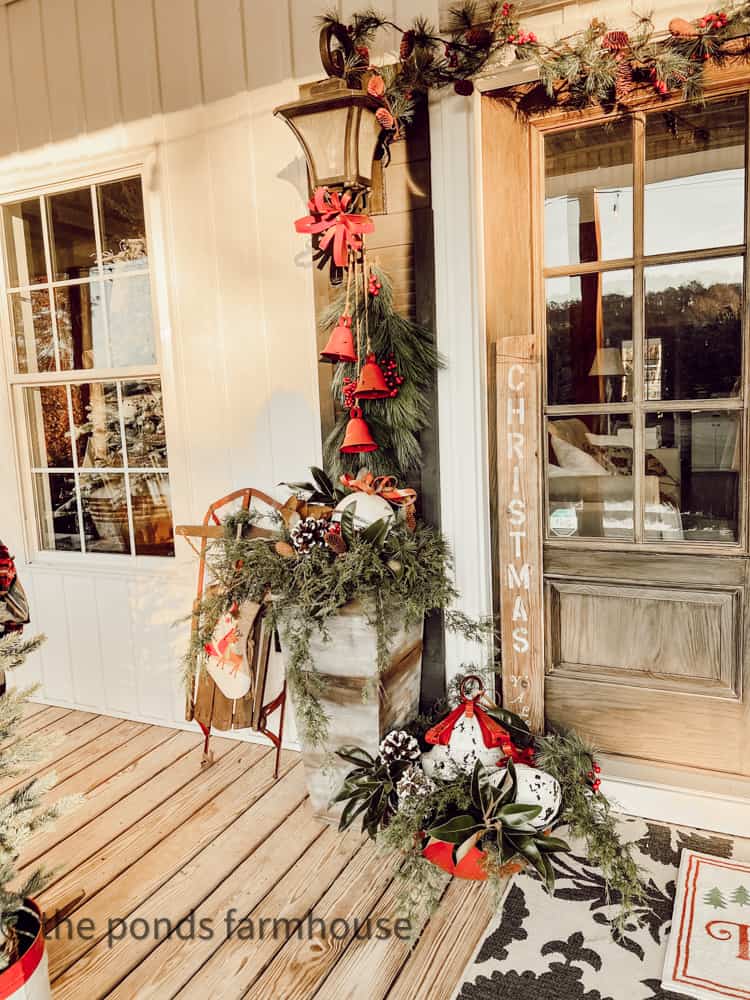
{"points": [[50, 181]]}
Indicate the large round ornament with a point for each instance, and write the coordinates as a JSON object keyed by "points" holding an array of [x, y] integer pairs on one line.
{"points": [[465, 748], [368, 508], [535, 788]]}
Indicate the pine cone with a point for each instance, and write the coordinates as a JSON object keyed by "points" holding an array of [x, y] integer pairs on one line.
{"points": [[414, 784], [407, 44], [399, 746], [616, 41], [624, 80], [335, 542], [479, 38], [309, 534], [465, 88]]}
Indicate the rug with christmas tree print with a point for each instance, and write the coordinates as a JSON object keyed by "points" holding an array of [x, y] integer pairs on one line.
{"points": [[564, 946]]}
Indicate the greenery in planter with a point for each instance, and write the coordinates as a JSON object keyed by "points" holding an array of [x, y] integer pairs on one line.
{"points": [[400, 575], [403, 813], [21, 811]]}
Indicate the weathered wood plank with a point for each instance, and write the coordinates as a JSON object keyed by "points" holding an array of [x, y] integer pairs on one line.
{"points": [[45, 721], [234, 969], [105, 781], [447, 944], [303, 963], [173, 839], [173, 964], [101, 969]]}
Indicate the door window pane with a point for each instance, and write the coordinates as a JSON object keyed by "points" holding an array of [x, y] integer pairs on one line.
{"points": [[695, 177], [105, 512], [57, 511], [588, 207], [24, 242], [152, 514], [97, 415], [589, 319], [590, 476], [49, 427], [32, 331], [694, 329], [122, 223], [693, 462], [71, 226], [143, 416]]}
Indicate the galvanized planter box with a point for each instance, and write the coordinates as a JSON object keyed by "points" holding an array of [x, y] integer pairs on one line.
{"points": [[349, 664]]}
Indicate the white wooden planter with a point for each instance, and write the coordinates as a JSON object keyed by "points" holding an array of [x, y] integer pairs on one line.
{"points": [[349, 664], [28, 978]]}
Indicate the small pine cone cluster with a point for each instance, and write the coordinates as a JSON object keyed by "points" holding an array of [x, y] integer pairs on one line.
{"points": [[399, 747], [407, 44], [479, 38], [414, 785], [310, 533]]}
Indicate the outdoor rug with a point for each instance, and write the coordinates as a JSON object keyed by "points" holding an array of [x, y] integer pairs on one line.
{"points": [[562, 947]]}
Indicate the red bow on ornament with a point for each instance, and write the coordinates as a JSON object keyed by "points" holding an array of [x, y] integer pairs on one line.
{"points": [[339, 230], [492, 732], [384, 486]]}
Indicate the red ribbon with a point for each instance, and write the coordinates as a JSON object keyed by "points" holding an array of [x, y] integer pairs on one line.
{"points": [[337, 228], [493, 734], [383, 486]]}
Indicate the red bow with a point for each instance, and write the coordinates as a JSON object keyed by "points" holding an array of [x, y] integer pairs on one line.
{"points": [[493, 734], [337, 228]]}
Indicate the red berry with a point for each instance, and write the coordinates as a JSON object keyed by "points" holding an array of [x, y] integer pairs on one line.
{"points": [[589, 774]]}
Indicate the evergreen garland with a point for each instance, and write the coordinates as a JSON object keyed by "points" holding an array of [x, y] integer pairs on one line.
{"points": [[598, 65], [395, 422]]}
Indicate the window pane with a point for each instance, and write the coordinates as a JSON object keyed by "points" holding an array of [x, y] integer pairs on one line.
{"points": [[81, 328], [695, 177], [123, 227], [49, 427], [152, 514], [57, 511], [32, 331], [590, 476], [71, 229], [131, 327], [97, 417], [24, 243], [589, 319], [143, 414], [692, 476], [105, 513], [694, 329], [588, 206]]}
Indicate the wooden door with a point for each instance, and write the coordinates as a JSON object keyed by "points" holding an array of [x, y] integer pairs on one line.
{"points": [[638, 271]]}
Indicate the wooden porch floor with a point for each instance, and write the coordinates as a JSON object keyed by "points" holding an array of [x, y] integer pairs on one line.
{"points": [[156, 837]]}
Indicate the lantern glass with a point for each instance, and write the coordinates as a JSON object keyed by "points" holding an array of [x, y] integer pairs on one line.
{"points": [[338, 133]]}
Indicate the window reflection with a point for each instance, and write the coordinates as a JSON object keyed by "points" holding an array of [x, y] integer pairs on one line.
{"points": [[588, 207], [694, 329], [72, 243], [32, 331], [589, 322], [105, 513], [695, 177], [57, 511], [122, 223], [695, 459], [24, 243], [590, 476]]}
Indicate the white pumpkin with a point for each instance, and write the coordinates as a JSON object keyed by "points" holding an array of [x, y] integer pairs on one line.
{"points": [[466, 747], [535, 788], [368, 508]]}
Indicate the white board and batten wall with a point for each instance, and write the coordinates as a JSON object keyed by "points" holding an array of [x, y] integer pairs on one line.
{"points": [[183, 91]]}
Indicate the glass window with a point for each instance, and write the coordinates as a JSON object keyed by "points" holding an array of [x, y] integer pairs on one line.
{"points": [[588, 194], [97, 447], [694, 194], [645, 398]]}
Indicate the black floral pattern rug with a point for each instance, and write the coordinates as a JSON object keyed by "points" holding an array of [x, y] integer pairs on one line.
{"points": [[562, 947]]}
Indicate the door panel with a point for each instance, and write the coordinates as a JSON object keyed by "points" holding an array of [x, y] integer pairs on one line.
{"points": [[667, 639]]}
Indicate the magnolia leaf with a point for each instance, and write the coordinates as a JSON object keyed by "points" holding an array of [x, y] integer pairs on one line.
{"points": [[350, 813], [455, 830], [476, 786], [517, 814], [355, 755], [465, 846], [376, 532], [552, 844], [347, 525], [516, 728], [323, 482]]}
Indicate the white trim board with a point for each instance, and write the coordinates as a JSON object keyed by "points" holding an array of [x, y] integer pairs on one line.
{"points": [[713, 802]]}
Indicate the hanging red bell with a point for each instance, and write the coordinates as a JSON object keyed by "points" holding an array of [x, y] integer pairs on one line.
{"points": [[340, 346], [357, 437], [372, 383]]}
